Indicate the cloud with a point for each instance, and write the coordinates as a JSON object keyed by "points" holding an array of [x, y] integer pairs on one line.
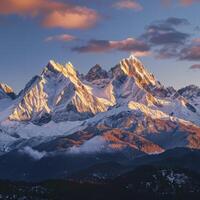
{"points": [[52, 13], [180, 2], [197, 28], [21, 7], [174, 21], [164, 37], [190, 52], [30, 7], [36, 155], [160, 37], [99, 46], [168, 51], [187, 51], [188, 2], [141, 54], [128, 4], [76, 18], [96, 144], [164, 32], [62, 37], [196, 40], [195, 66]]}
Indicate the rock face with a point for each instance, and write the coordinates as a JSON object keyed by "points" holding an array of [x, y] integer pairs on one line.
{"points": [[7, 96], [122, 110], [6, 91], [56, 94], [96, 73], [192, 94]]}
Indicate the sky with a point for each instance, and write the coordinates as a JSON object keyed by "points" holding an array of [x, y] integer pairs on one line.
{"points": [[164, 34]]}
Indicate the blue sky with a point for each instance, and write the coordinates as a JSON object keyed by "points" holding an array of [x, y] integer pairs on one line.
{"points": [[29, 37]]}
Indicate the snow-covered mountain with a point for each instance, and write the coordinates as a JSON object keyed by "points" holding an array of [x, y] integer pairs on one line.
{"points": [[6, 91], [59, 95], [192, 94], [122, 110], [6, 96]]}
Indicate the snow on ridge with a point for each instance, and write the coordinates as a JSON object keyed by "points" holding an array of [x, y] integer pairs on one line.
{"points": [[60, 103]]}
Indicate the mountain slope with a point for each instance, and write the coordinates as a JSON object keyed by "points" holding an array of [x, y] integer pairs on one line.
{"points": [[7, 96], [57, 94], [119, 114], [192, 94], [6, 91], [60, 94]]}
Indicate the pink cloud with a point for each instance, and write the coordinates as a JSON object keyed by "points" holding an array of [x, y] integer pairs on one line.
{"points": [[78, 17], [191, 52], [196, 40], [128, 4], [52, 13], [139, 48], [62, 37], [188, 2], [24, 7], [181, 2], [195, 66], [141, 54]]}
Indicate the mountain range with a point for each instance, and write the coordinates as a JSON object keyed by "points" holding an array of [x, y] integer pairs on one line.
{"points": [[80, 121]]}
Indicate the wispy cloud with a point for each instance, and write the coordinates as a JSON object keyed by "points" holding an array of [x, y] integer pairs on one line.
{"points": [[195, 66], [52, 13], [188, 2], [164, 37], [190, 52], [96, 144], [128, 4], [62, 38], [36, 155], [180, 2], [164, 32], [99, 46]]}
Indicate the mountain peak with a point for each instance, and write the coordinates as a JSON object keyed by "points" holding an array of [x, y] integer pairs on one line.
{"points": [[53, 66], [96, 73], [190, 92], [114, 105], [6, 91], [133, 67], [133, 57], [70, 70]]}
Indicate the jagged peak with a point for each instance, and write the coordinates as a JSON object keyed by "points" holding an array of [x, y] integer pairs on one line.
{"points": [[133, 57], [29, 85], [95, 73], [53, 66], [189, 91], [95, 68], [130, 64], [133, 67], [7, 89], [70, 69], [66, 69], [193, 87]]}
